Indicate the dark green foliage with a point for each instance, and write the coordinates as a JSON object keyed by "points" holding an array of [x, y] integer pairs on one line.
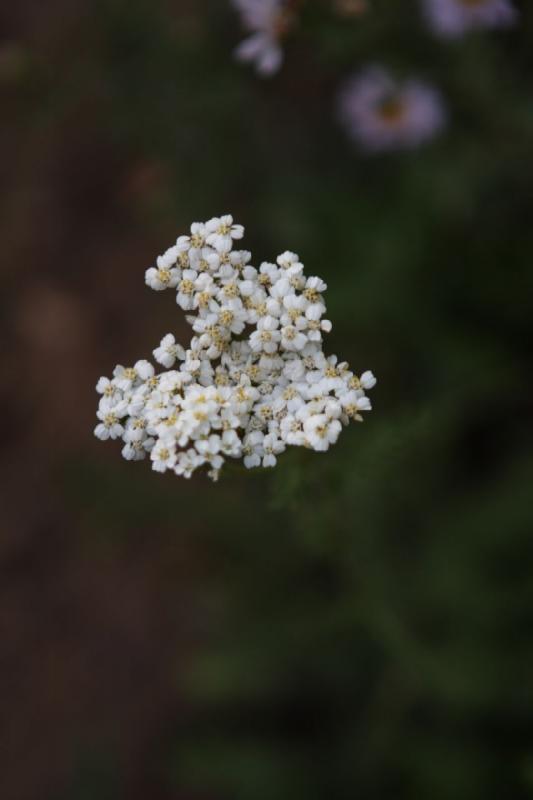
{"points": [[370, 625]]}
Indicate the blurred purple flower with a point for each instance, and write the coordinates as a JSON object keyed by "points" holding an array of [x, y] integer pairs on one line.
{"points": [[454, 18], [381, 113], [268, 21]]}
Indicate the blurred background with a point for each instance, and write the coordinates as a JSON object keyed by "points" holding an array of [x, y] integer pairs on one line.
{"points": [[356, 624]]}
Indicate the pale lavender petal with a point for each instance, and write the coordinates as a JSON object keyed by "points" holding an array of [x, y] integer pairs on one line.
{"points": [[270, 60], [251, 48], [454, 18]]}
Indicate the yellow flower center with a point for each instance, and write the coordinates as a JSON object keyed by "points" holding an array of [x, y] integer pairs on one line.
{"points": [[186, 286], [392, 110], [231, 290], [164, 275], [226, 317], [312, 295]]}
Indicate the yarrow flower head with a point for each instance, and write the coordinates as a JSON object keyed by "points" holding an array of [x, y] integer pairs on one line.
{"points": [[381, 113], [268, 21], [454, 18], [253, 379]]}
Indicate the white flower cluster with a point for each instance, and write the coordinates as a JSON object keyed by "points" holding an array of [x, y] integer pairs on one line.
{"points": [[254, 378]]}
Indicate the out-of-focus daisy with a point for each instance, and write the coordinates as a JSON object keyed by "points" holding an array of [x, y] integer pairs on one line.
{"points": [[381, 113], [268, 22], [454, 18]]}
